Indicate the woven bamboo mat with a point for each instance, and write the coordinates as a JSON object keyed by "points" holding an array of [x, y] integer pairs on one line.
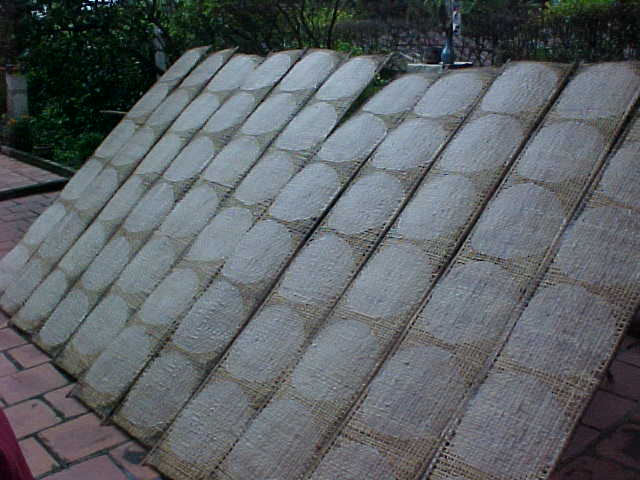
{"points": [[261, 281]]}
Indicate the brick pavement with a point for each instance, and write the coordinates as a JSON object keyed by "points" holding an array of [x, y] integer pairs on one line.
{"points": [[606, 443], [16, 216], [17, 174], [62, 440]]}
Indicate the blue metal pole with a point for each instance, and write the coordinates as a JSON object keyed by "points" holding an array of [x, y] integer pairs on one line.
{"points": [[448, 55]]}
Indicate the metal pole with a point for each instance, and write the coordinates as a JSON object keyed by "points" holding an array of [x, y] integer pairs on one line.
{"points": [[448, 55]]}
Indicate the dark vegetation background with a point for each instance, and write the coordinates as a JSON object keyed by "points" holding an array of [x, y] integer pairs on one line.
{"points": [[82, 57]]}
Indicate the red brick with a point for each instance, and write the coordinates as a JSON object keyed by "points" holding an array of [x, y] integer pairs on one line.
{"points": [[14, 174], [69, 407], [582, 436], [30, 417], [38, 459], [10, 338], [30, 383], [28, 356], [606, 409], [130, 456], [4, 319], [98, 468], [81, 437], [625, 380], [6, 366], [623, 446], [591, 468]]}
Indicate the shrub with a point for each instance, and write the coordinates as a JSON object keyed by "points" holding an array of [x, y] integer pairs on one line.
{"points": [[18, 133], [589, 30]]}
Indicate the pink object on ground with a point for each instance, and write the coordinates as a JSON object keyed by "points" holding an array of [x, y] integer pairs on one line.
{"points": [[13, 466]]}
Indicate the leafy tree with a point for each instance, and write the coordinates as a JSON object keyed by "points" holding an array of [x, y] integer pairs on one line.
{"points": [[85, 56], [81, 57]]}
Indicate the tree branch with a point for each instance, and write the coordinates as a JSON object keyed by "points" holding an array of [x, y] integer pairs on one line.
{"points": [[292, 24], [334, 17]]}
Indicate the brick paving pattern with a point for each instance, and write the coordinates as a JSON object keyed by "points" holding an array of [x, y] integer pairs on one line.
{"points": [[59, 437], [17, 174], [606, 443], [16, 215], [62, 440]]}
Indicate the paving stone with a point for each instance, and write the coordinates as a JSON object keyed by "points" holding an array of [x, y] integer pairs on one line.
{"points": [[6, 366], [4, 319], [38, 459], [14, 173], [68, 406], [625, 380], [629, 351], [30, 383], [28, 356], [9, 338], [130, 456], [606, 409], [98, 468], [623, 446], [17, 215], [30, 417], [81, 437], [635, 415], [582, 436], [591, 468], [11, 232]]}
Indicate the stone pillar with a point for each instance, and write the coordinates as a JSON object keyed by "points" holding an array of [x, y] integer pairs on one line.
{"points": [[17, 100]]}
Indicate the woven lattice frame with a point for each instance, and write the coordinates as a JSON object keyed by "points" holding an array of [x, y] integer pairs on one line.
{"points": [[97, 181]]}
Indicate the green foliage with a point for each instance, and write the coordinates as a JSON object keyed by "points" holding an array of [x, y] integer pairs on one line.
{"points": [[51, 137], [349, 48], [255, 26], [81, 57], [587, 30], [573, 7], [72, 151], [18, 132], [85, 56]]}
